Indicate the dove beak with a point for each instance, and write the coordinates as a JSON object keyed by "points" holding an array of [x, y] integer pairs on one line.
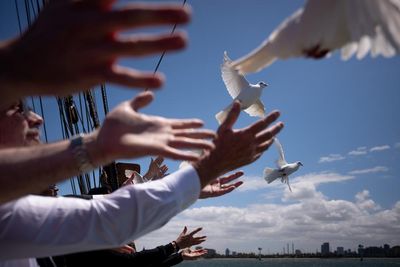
{"points": [[301, 164]]}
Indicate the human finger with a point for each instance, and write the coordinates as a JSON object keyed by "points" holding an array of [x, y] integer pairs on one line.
{"points": [[183, 142], [185, 123], [132, 78], [195, 133], [231, 118], [269, 133], [263, 123], [144, 14], [231, 177], [145, 44], [141, 100], [177, 154], [195, 231], [159, 160]]}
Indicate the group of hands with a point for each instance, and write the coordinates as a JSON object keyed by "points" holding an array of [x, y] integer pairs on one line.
{"points": [[63, 52], [216, 188], [184, 241]]}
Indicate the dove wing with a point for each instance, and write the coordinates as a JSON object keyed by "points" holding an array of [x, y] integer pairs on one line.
{"points": [[256, 110], [234, 81], [357, 27], [373, 26], [281, 161]]}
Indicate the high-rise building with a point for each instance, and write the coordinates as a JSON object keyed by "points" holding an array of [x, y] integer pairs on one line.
{"points": [[325, 249], [227, 252], [340, 251]]}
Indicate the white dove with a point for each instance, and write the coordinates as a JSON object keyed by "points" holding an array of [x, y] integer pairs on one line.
{"points": [[356, 26], [284, 169], [240, 89]]}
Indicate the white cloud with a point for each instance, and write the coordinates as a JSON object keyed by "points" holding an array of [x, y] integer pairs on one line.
{"points": [[371, 170], [379, 148], [331, 157], [253, 183], [362, 150], [308, 221]]}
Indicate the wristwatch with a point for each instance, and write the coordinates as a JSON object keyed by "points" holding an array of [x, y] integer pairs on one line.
{"points": [[80, 154]]}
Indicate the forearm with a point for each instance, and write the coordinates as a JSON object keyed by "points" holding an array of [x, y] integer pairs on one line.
{"points": [[31, 169], [36, 226]]}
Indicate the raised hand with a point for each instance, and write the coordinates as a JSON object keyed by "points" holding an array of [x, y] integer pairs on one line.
{"points": [[220, 186], [186, 240], [75, 44], [191, 255], [128, 134], [156, 169], [236, 148]]}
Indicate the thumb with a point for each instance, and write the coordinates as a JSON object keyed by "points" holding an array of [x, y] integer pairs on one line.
{"points": [[184, 230], [141, 100], [231, 117]]}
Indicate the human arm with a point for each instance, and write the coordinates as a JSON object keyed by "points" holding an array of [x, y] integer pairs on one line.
{"points": [[125, 133], [75, 45], [35, 226]]}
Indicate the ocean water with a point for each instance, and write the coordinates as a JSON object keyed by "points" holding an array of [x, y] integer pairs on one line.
{"points": [[283, 262]]}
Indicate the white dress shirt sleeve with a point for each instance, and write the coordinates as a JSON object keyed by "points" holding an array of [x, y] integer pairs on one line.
{"points": [[35, 226]]}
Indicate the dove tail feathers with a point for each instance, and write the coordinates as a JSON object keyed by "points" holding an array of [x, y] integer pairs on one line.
{"points": [[267, 173]]}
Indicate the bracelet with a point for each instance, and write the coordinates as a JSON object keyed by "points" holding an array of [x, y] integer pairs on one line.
{"points": [[80, 154]]}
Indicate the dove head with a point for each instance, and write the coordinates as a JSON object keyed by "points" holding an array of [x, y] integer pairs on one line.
{"points": [[299, 163], [262, 84]]}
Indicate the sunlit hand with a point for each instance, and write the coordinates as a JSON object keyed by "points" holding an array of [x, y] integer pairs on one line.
{"points": [[75, 45], [220, 186], [236, 148], [190, 255], [186, 240], [129, 134]]}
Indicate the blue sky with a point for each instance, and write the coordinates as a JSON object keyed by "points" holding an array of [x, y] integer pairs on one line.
{"points": [[341, 120]]}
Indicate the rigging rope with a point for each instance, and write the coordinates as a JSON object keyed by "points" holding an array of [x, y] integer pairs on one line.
{"points": [[163, 53]]}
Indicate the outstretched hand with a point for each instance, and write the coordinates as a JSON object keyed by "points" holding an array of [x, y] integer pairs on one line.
{"points": [[191, 255], [236, 148], [220, 186], [126, 133], [75, 44], [186, 240], [156, 169]]}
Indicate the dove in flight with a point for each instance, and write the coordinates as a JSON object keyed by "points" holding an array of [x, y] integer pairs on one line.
{"points": [[240, 89], [355, 27], [283, 170]]}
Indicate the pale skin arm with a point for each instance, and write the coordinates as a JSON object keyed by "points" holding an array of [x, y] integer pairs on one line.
{"points": [[75, 44], [124, 134]]}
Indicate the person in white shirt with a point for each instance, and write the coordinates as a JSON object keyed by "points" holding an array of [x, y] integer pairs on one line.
{"points": [[35, 226]]}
